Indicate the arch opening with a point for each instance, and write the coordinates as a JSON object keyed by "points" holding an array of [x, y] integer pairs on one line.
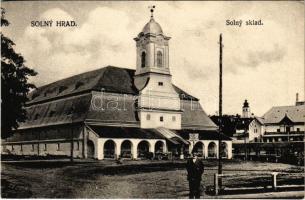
{"points": [[212, 151], [109, 149], [199, 149], [126, 149], [143, 150], [159, 147]]}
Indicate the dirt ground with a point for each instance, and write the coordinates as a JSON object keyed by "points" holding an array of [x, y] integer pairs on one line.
{"points": [[89, 180]]}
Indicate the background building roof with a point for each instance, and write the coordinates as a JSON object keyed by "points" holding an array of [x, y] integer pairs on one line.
{"points": [[276, 114]]}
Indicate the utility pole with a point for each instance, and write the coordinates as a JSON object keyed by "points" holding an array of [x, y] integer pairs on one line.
{"points": [[220, 107], [72, 141]]}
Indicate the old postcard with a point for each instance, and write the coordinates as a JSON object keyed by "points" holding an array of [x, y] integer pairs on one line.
{"points": [[160, 99]]}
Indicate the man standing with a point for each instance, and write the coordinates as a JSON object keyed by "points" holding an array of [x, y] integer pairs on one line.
{"points": [[195, 170]]}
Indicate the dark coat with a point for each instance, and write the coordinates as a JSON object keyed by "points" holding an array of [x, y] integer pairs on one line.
{"points": [[194, 170]]}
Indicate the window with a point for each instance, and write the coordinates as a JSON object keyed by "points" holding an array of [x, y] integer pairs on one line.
{"points": [[58, 146], [13, 149], [288, 129], [21, 147], [160, 83], [52, 112], [161, 119], [33, 147], [174, 118], [61, 89], [298, 129], [36, 116], [45, 147], [159, 59], [78, 84], [143, 59], [278, 130], [148, 117]]}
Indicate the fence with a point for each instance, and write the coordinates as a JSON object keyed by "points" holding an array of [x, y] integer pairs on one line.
{"points": [[262, 179]]}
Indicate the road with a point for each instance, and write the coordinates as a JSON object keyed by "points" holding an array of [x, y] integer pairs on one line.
{"points": [[89, 180]]}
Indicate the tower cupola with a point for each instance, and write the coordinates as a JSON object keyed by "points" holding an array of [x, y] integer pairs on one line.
{"points": [[152, 49], [246, 110]]}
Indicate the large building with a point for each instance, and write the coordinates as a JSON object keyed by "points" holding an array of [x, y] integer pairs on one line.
{"points": [[284, 123], [117, 112]]}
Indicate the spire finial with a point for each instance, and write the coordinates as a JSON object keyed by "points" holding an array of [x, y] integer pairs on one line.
{"points": [[152, 8]]}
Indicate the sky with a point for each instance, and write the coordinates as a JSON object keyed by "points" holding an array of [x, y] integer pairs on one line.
{"points": [[263, 64]]}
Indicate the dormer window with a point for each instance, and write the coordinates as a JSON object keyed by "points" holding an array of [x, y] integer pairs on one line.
{"points": [[61, 89], [36, 116], [143, 59], [159, 59], [78, 84], [51, 114], [36, 94]]}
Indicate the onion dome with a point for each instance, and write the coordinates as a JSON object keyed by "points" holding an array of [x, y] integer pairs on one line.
{"points": [[152, 27]]}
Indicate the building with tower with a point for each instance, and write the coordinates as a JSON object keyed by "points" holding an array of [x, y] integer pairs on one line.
{"points": [[246, 110], [280, 135], [242, 128], [116, 112]]}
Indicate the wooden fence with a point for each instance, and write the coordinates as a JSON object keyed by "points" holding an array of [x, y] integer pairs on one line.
{"points": [[270, 179]]}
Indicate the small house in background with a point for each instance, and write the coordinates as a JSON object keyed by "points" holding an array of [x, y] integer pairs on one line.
{"points": [[244, 128]]}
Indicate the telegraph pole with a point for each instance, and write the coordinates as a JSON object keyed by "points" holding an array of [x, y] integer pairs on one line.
{"points": [[220, 107], [72, 141]]}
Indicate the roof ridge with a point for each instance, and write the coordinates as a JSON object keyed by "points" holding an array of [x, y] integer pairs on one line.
{"points": [[87, 72]]}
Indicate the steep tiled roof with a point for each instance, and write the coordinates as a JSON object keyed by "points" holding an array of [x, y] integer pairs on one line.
{"points": [[108, 79], [70, 100], [62, 111], [276, 114], [193, 116]]}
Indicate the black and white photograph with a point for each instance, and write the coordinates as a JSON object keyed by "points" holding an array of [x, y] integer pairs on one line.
{"points": [[152, 99]]}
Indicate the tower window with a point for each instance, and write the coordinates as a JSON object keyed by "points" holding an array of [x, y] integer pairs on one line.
{"points": [[148, 117], [159, 59], [174, 118], [160, 83], [161, 119], [143, 59]]}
